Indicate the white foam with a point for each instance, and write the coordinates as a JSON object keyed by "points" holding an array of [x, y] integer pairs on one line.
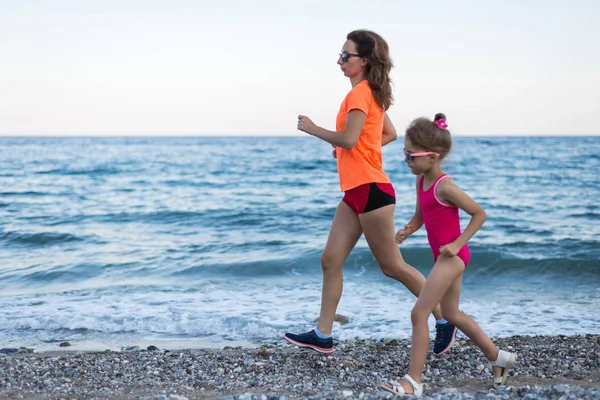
{"points": [[261, 310]]}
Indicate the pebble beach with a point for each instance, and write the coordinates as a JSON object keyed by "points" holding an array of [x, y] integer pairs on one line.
{"points": [[548, 367]]}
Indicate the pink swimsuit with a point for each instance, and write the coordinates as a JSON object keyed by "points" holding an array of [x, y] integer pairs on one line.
{"points": [[441, 221]]}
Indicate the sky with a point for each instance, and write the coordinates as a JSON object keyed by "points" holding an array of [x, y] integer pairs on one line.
{"points": [[132, 67]]}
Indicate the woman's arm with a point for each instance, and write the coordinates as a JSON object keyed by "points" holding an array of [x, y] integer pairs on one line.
{"points": [[389, 131], [355, 121]]}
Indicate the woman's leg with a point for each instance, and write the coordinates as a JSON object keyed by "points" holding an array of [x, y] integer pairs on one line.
{"points": [[343, 235], [378, 227]]}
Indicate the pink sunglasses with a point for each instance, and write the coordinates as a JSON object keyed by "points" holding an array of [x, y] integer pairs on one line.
{"points": [[408, 155]]}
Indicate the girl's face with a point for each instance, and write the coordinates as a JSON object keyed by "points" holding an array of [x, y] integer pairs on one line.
{"points": [[418, 160]]}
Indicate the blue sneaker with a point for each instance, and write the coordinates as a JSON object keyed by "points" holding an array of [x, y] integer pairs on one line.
{"points": [[445, 334], [311, 341]]}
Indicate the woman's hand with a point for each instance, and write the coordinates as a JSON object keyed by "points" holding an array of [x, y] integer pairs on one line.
{"points": [[305, 124], [334, 152]]}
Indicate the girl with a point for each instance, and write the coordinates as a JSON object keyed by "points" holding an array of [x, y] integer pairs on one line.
{"points": [[362, 128], [426, 143]]}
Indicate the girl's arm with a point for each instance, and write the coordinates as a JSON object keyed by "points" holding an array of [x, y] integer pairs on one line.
{"points": [[415, 223], [449, 193]]}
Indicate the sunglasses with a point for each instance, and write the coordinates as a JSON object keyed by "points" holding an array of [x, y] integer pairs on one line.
{"points": [[409, 155], [345, 56]]}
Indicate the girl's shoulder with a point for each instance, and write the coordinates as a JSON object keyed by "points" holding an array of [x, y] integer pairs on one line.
{"points": [[445, 183], [447, 191]]}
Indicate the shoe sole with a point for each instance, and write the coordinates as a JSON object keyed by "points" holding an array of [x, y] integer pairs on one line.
{"points": [[318, 349], [449, 344]]}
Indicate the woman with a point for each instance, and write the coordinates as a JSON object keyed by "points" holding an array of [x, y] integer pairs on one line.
{"points": [[362, 128]]}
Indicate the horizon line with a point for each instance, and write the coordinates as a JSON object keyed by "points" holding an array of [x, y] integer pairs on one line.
{"points": [[263, 136]]}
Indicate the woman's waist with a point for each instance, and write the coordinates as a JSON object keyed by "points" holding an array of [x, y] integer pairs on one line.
{"points": [[352, 181], [358, 172]]}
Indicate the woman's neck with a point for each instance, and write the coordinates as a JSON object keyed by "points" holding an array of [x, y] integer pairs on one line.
{"points": [[357, 79]]}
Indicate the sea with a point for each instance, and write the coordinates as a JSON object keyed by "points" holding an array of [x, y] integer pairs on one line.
{"points": [[195, 242]]}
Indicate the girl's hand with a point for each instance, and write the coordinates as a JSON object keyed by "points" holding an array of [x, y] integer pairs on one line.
{"points": [[305, 124], [333, 153], [449, 250], [402, 234]]}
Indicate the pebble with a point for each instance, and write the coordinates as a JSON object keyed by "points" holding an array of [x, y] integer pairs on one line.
{"points": [[281, 371]]}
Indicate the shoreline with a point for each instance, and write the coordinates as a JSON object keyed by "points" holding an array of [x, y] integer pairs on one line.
{"points": [[548, 366], [94, 345]]}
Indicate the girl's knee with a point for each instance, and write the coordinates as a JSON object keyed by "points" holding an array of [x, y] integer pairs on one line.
{"points": [[451, 316], [419, 315]]}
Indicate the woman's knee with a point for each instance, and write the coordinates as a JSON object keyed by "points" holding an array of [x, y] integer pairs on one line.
{"points": [[398, 269], [330, 262], [389, 270]]}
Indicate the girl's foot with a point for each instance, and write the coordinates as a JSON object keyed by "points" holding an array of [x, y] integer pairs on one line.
{"points": [[500, 367], [406, 386]]}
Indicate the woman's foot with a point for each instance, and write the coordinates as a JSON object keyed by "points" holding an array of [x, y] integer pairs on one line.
{"points": [[444, 338], [312, 341]]}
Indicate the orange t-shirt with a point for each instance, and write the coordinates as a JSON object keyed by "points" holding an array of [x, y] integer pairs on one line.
{"points": [[363, 164]]}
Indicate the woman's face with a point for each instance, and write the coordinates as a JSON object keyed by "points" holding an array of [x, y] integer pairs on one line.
{"points": [[350, 62]]}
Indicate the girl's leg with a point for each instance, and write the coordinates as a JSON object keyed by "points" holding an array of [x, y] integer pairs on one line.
{"points": [[467, 325], [378, 227], [444, 273], [343, 235]]}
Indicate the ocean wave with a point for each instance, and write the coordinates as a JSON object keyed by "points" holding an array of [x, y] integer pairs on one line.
{"points": [[159, 217], [38, 239], [28, 193], [44, 275], [587, 215], [484, 262], [92, 170]]}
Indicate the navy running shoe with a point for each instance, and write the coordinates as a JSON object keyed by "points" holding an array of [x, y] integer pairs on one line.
{"points": [[311, 341], [445, 334]]}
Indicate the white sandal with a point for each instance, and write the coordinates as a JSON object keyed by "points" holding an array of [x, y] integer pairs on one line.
{"points": [[397, 389], [505, 360]]}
